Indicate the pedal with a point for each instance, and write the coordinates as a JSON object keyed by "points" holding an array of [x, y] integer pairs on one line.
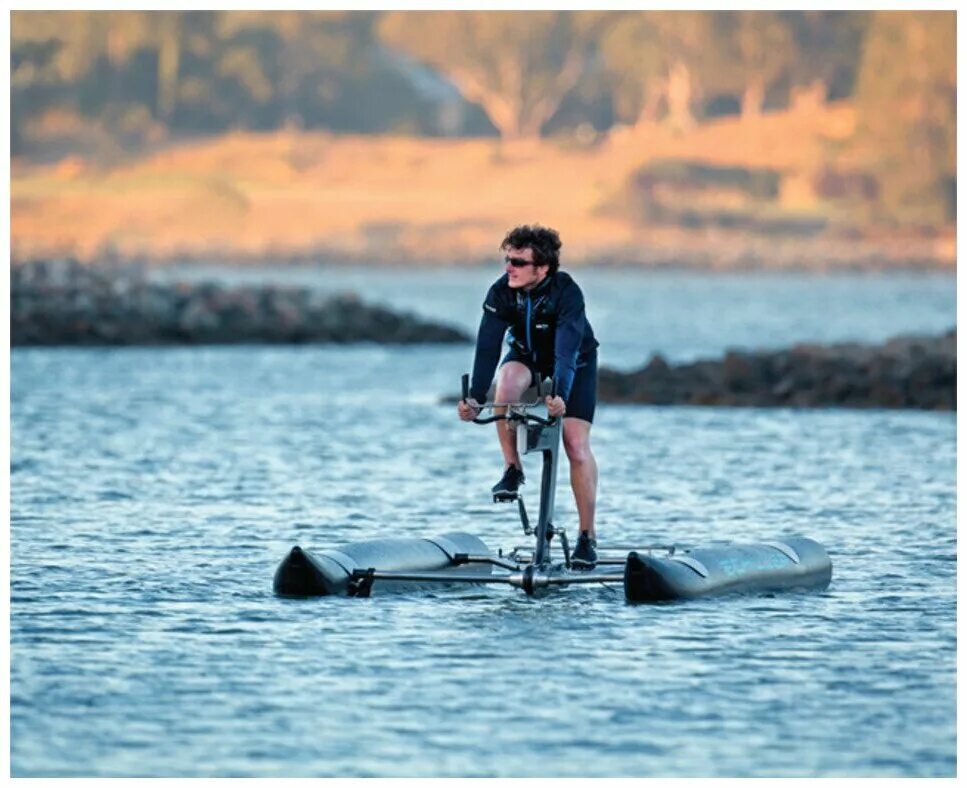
{"points": [[506, 497]]}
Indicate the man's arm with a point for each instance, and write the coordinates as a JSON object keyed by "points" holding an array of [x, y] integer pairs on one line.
{"points": [[490, 336], [567, 340]]}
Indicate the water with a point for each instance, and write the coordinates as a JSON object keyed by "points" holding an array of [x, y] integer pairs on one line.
{"points": [[153, 492], [683, 316]]}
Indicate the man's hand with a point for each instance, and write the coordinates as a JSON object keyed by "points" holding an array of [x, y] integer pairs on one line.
{"points": [[468, 409], [555, 406]]}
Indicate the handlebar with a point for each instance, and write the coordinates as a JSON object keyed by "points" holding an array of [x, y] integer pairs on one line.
{"points": [[511, 415], [514, 416]]}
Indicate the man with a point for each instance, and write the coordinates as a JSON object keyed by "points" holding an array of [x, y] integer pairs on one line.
{"points": [[549, 337]]}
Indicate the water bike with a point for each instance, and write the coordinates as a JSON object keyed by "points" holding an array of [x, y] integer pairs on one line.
{"points": [[648, 573]]}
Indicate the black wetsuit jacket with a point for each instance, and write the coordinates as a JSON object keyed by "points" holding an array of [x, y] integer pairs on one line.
{"points": [[548, 331]]}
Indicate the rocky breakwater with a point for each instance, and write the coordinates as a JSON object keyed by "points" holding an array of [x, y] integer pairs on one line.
{"points": [[66, 303], [906, 372]]}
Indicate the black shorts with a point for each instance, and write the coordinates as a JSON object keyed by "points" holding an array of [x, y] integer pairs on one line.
{"points": [[584, 391]]}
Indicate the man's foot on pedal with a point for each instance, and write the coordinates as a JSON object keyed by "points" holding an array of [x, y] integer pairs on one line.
{"points": [[584, 557], [506, 488]]}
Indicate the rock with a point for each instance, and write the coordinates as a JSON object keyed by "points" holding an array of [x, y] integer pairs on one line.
{"points": [[905, 372], [64, 303]]}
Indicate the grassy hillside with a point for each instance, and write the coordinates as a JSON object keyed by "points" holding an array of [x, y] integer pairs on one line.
{"points": [[317, 196]]}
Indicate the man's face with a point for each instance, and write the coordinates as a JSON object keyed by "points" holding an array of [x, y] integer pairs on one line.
{"points": [[527, 276]]}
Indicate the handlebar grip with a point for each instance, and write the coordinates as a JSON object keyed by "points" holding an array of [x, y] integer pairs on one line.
{"points": [[465, 385], [553, 387]]}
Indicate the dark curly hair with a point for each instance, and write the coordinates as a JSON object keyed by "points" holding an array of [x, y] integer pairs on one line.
{"points": [[545, 242]]}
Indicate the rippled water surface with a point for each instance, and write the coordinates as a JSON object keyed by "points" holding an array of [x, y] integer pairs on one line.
{"points": [[155, 490]]}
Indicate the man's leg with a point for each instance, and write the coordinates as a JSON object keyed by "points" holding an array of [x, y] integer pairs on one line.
{"points": [[584, 471], [513, 379]]}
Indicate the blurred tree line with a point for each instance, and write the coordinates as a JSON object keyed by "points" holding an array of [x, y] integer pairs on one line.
{"points": [[141, 76]]}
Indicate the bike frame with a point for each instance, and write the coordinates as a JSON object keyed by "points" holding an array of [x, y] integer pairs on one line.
{"points": [[534, 434], [544, 435]]}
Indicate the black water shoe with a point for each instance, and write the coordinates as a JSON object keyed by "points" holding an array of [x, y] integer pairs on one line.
{"points": [[506, 488], [584, 557]]}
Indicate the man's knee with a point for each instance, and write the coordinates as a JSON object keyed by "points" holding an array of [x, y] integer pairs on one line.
{"points": [[513, 379], [577, 443]]}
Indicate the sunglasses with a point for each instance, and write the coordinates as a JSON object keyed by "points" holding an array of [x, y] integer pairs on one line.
{"points": [[518, 262]]}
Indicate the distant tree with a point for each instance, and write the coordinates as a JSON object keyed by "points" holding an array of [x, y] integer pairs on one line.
{"points": [[307, 69], [632, 55], [906, 102], [169, 56], [93, 55], [518, 66], [658, 60], [689, 44], [763, 48], [137, 72], [78, 35], [827, 51]]}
